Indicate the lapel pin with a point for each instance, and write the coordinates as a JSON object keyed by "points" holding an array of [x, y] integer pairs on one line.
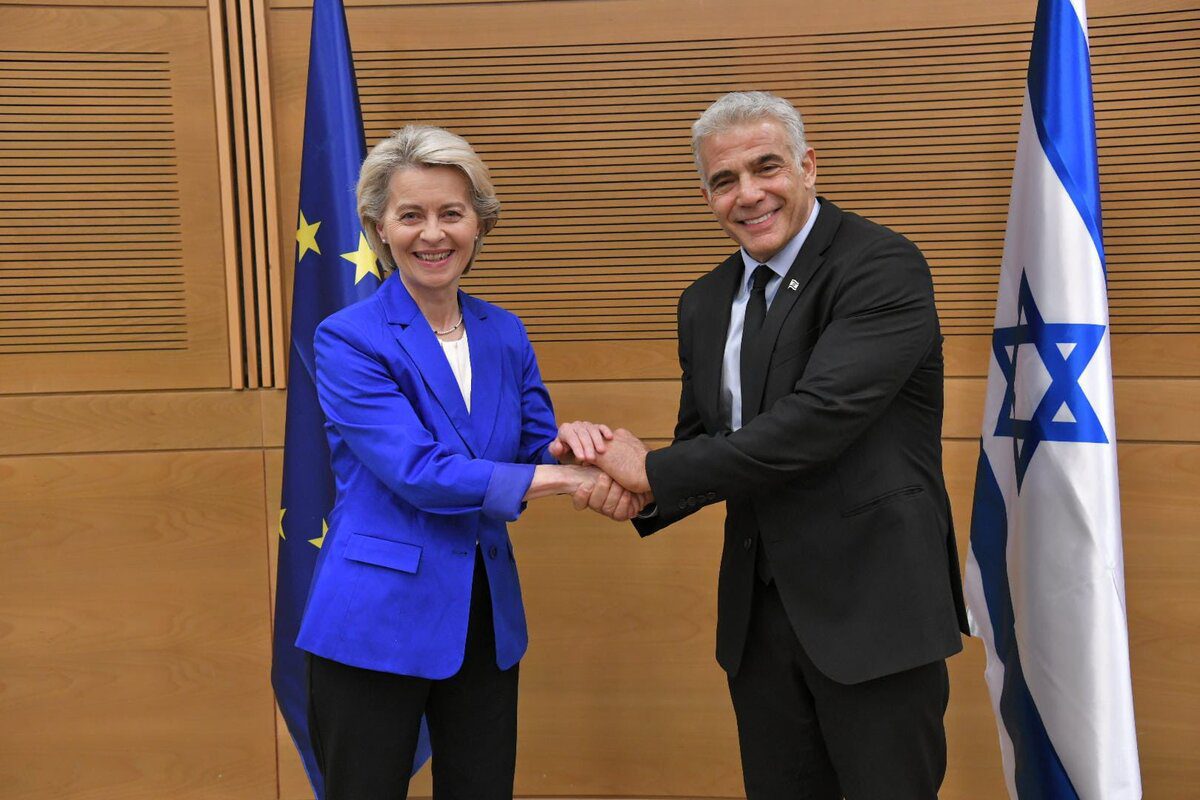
{"points": [[793, 285]]}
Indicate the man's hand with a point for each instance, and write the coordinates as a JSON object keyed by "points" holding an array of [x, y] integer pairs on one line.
{"points": [[606, 496], [580, 442], [624, 458]]}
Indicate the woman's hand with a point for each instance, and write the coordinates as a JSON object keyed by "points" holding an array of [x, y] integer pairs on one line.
{"points": [[551, 479], [579, 442], [606, 496], [589, 488]]}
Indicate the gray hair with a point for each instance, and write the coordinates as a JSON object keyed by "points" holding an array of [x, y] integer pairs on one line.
{"points": [[416, 146], [738, 108]]}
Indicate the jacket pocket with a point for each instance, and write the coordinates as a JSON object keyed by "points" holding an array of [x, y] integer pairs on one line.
{"points": [[399, 556], [883, 499], [795, 347]]}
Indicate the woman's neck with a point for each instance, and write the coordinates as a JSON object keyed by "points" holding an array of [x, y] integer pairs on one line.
{"points": [[440, 308]]}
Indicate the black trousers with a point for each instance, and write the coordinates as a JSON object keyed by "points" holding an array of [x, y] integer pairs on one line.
{"points": [[803, 735], [364, 724]]}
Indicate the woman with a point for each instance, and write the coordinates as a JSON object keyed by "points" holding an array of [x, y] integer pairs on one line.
{"points": [[439, 430]]}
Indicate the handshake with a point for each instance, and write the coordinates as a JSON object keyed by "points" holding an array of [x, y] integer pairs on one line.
{"points": [[607, 469]]}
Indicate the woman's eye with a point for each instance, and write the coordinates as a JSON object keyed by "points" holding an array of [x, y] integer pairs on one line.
{"points": [[453, 215]]}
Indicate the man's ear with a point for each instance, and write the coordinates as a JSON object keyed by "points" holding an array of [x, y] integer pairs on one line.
{"points": [[808, 165]]}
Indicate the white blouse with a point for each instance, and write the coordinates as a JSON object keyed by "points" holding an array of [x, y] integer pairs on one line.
{"points": [[458, 353]]}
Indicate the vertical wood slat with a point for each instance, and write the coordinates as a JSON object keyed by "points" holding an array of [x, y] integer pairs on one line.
{"points": [[260, 297], [259, 266], [274, 251], [237, 89], [221, 91]]}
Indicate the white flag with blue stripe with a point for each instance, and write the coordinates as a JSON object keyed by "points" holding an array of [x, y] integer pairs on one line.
{"points": [[1045, 581]]}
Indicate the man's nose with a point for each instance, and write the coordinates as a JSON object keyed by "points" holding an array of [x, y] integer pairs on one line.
{"points": [[749, 192]]}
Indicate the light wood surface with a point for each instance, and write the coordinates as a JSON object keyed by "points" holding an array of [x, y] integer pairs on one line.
{"points": [[125, 291], [134, 639]]}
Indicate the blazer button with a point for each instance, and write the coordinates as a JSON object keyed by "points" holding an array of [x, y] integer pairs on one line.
{"points": [[712, 495], [691, 502], [492, 551], [683, 503], [746, 544]]}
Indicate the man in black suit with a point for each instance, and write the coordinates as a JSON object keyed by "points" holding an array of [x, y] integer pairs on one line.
{"points": [[811, 404]]}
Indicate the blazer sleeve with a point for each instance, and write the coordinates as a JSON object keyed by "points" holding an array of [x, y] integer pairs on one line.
{"points": [[538, 428], [881, 326], [378, 423], [688, 424]]}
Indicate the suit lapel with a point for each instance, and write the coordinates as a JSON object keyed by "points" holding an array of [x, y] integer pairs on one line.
{"points": [[708, 354], [808, 261], [486, 371], [413, 334]]}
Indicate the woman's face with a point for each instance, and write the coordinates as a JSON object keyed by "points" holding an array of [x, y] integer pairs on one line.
{"points": [[430, 227]]}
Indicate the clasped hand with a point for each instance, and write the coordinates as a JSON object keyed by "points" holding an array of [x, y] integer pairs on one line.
{"points": [[616, 485]]}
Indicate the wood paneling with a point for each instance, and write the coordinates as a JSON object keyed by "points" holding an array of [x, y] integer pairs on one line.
{"points": [[603, 223], [250, 151], [621, 693], [98, 423], [1148, 410], [134, 634], [1160, 485], [119, 292]]}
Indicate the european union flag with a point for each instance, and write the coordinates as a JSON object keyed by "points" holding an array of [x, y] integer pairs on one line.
{"points": [[334, 268]]}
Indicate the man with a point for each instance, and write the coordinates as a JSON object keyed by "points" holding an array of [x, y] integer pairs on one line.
{"points": [[814, 409]]}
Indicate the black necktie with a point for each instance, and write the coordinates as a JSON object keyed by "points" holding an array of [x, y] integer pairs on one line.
{"points": [[756, 311]]}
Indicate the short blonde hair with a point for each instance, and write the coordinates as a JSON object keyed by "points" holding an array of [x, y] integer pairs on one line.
{"points": [[416, 146]]}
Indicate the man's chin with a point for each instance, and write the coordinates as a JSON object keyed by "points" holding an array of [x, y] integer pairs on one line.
{"points": [[762, 251]]}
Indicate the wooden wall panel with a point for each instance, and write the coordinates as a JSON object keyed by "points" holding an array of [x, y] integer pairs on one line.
{"points": [[91, 423], [587, 138], [134, 640], [127, 289], [621, 693], [1160, 484]]}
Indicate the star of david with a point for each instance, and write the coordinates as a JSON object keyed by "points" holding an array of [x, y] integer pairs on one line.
{"points": [[1063, 414]]}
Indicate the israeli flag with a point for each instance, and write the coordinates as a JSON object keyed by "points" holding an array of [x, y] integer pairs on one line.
{"points": [[1045, 581]]}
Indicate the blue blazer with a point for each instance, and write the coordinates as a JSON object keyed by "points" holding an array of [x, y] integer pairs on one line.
{"points": [[420, 481]]}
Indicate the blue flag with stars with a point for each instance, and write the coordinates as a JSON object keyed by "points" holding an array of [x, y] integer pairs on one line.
{"points": [[334, 268], [1045, 580]]}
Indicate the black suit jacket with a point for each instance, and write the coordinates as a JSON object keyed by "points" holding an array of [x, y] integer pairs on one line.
{"points": [[839, 476]]}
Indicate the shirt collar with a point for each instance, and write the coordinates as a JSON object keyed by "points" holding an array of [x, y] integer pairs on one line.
{"points": [[782, 261]]}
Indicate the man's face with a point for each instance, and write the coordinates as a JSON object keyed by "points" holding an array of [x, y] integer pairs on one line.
{"points": [[755, 188]]}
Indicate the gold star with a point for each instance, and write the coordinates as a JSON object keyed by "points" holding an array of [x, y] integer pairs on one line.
{"points": [[363, 260], [282, 511], [306, 237], [320, 540]]}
